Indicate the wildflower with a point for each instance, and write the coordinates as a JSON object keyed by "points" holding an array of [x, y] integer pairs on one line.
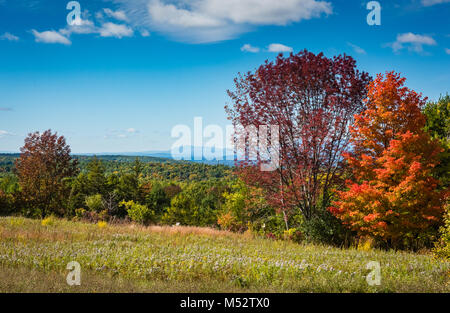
{"points": [[47, 221]]}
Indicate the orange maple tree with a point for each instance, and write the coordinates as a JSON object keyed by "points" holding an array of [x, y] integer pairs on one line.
{"points": [[392, 195]]}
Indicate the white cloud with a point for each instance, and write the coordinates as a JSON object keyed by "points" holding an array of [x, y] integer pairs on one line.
{"points": [[87, 26], [267, 12], [50, 36], [278, 47], [249, 48], [4, 133], [107, 29], [84, 26], [215, 20], [118, 15], [115, 30], [145, 33], [99, 16], [413, 42], [447, 51], [357, 49], [171, 15], [428, 3], [9, 36], [121, 133]]}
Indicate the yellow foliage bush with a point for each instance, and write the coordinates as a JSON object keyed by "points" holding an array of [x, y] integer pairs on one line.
{"points": [[226, 221], [48, 221], [365, 244]]}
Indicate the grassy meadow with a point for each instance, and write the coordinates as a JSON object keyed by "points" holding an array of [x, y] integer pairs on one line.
{"points": [[130, 258]]}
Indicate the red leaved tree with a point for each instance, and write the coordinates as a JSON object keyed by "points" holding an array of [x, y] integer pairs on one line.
{"points": [[43, 167], [313, 100], [392, 195]]}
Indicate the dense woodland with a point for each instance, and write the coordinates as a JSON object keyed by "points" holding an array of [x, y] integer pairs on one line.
{"points": [[158, 168], [362, 159]]}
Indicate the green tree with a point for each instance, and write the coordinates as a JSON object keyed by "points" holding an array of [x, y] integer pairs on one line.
{"points": [[197, 205], [438, 125], [138, 166], [92, 182], [6, 203], [96, 179], [128, 189], [9, 184], [159, 196]]}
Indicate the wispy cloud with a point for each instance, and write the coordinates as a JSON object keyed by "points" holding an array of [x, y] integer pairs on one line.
{"points": [[9, 36], [4, 133], [194, 21], [121, 134], [249, 48], [132, 130], [88, 26], [115, 30], [447, 50], [145, 33], [413, 42], [118, 15], [50, 36], [84, 26], [356, 48], [6, 109], [278, 47], [200, 21], [428, 3]]}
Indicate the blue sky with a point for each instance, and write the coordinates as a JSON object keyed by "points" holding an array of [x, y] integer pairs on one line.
{"points": [[132, 70]]}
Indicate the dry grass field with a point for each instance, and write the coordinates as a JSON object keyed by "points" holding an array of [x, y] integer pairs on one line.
{"points": [[129, 258]]}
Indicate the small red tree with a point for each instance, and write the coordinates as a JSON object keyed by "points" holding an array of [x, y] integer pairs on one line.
{"points": [[392, 195], [312, 99], [44, 165]]}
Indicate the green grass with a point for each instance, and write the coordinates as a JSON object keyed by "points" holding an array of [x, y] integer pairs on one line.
{"points": [[129, 258]]}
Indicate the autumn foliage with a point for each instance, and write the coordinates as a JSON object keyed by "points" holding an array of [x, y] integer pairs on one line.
{"points": [[312, 99], [44, 166], [392, 194]]}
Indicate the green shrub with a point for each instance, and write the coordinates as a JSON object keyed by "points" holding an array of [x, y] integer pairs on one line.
{"points": [[293, 234], [232, 216], [197, 205], [326, 228], [6, 203], [94, 203], [79, 213], [272, 226], [186, 211], [157, 199], [137, 212], [442, 248]]}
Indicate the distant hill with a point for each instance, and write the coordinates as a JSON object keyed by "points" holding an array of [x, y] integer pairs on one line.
{"points": [[8, 158], [167, 155], [158, 167]]}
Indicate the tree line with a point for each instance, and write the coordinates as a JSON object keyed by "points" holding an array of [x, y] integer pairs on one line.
{"points": [[361, 158]]}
